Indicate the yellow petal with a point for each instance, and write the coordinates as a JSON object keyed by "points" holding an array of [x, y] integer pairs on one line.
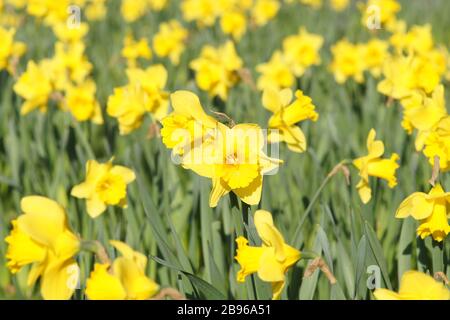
{"points": [[56, 282], [251, 195], [44, 219], [187, 104], [385, 294], [420, 286], [102, 285], [270, 269], [95, 206], [219, 189], [128, 253], [270, 236], [248, 258], [82, 191], [126, 173]]}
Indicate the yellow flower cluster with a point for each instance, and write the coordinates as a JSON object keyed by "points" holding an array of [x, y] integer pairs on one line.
{"points": [[300, 52]]}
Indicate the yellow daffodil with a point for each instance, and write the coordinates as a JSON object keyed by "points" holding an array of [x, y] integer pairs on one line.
{"points": [[96, 10], [153, 81], [374, 53], [386, 11], [65, 33], [415, 285], [406, 73], [133, 50], [423, 113], [437, 144], [203, 12], [302, 51], [41, 237], [339, 5], [170, 40], [271, 260], [373, 165], [430, 209], [286, 114], [124, 279], [105, 184], [9, 49], [81, 102], [34, 87], [264, 10], [216, 69], [234, 23], [275, 73], [132, 10], [188, 123], [348, 61]]}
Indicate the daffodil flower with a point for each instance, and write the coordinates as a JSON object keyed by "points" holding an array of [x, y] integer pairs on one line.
{"points": [[170, 40], [271, 260], [373, 165], [286, 115], [105, 184], [430, 209], [41, 237], [415, 285], [275, 73], [124, 279]]}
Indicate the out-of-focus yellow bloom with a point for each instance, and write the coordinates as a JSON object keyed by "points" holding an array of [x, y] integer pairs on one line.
{"points": [[271, 260], [423, 113], [348, 61], [41, 237], [430, 209], [10, 50], [81, 102], [35, 87], [302, 51], [383, 10], [437, 144], [264, 10], [153, 81], [170, 40], [133, 50], [188, 123], [144, 94], [406, 73], [373, 165], [69, 65], [125, 279], [132, 10], [96, 10], [339, 5], [275, 73], [105, 184], [65, 33], [234, 23], [375, 53], [203, 12], [286, 114], [419, 40], [216, 69], [415, 285], [157, 5], [316, 4]]}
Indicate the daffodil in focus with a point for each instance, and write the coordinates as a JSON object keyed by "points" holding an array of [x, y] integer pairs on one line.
{"points": [[373, 165], [430, 209], [286, 113], [348, 61], [105, 185], [170, 40], [123, 279], [81, 102], [135, 49], [41, 238], [271, 260], [275, 73], [187, 124], [415, 285], [302, 51], [34, 87], [216, 69]]}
